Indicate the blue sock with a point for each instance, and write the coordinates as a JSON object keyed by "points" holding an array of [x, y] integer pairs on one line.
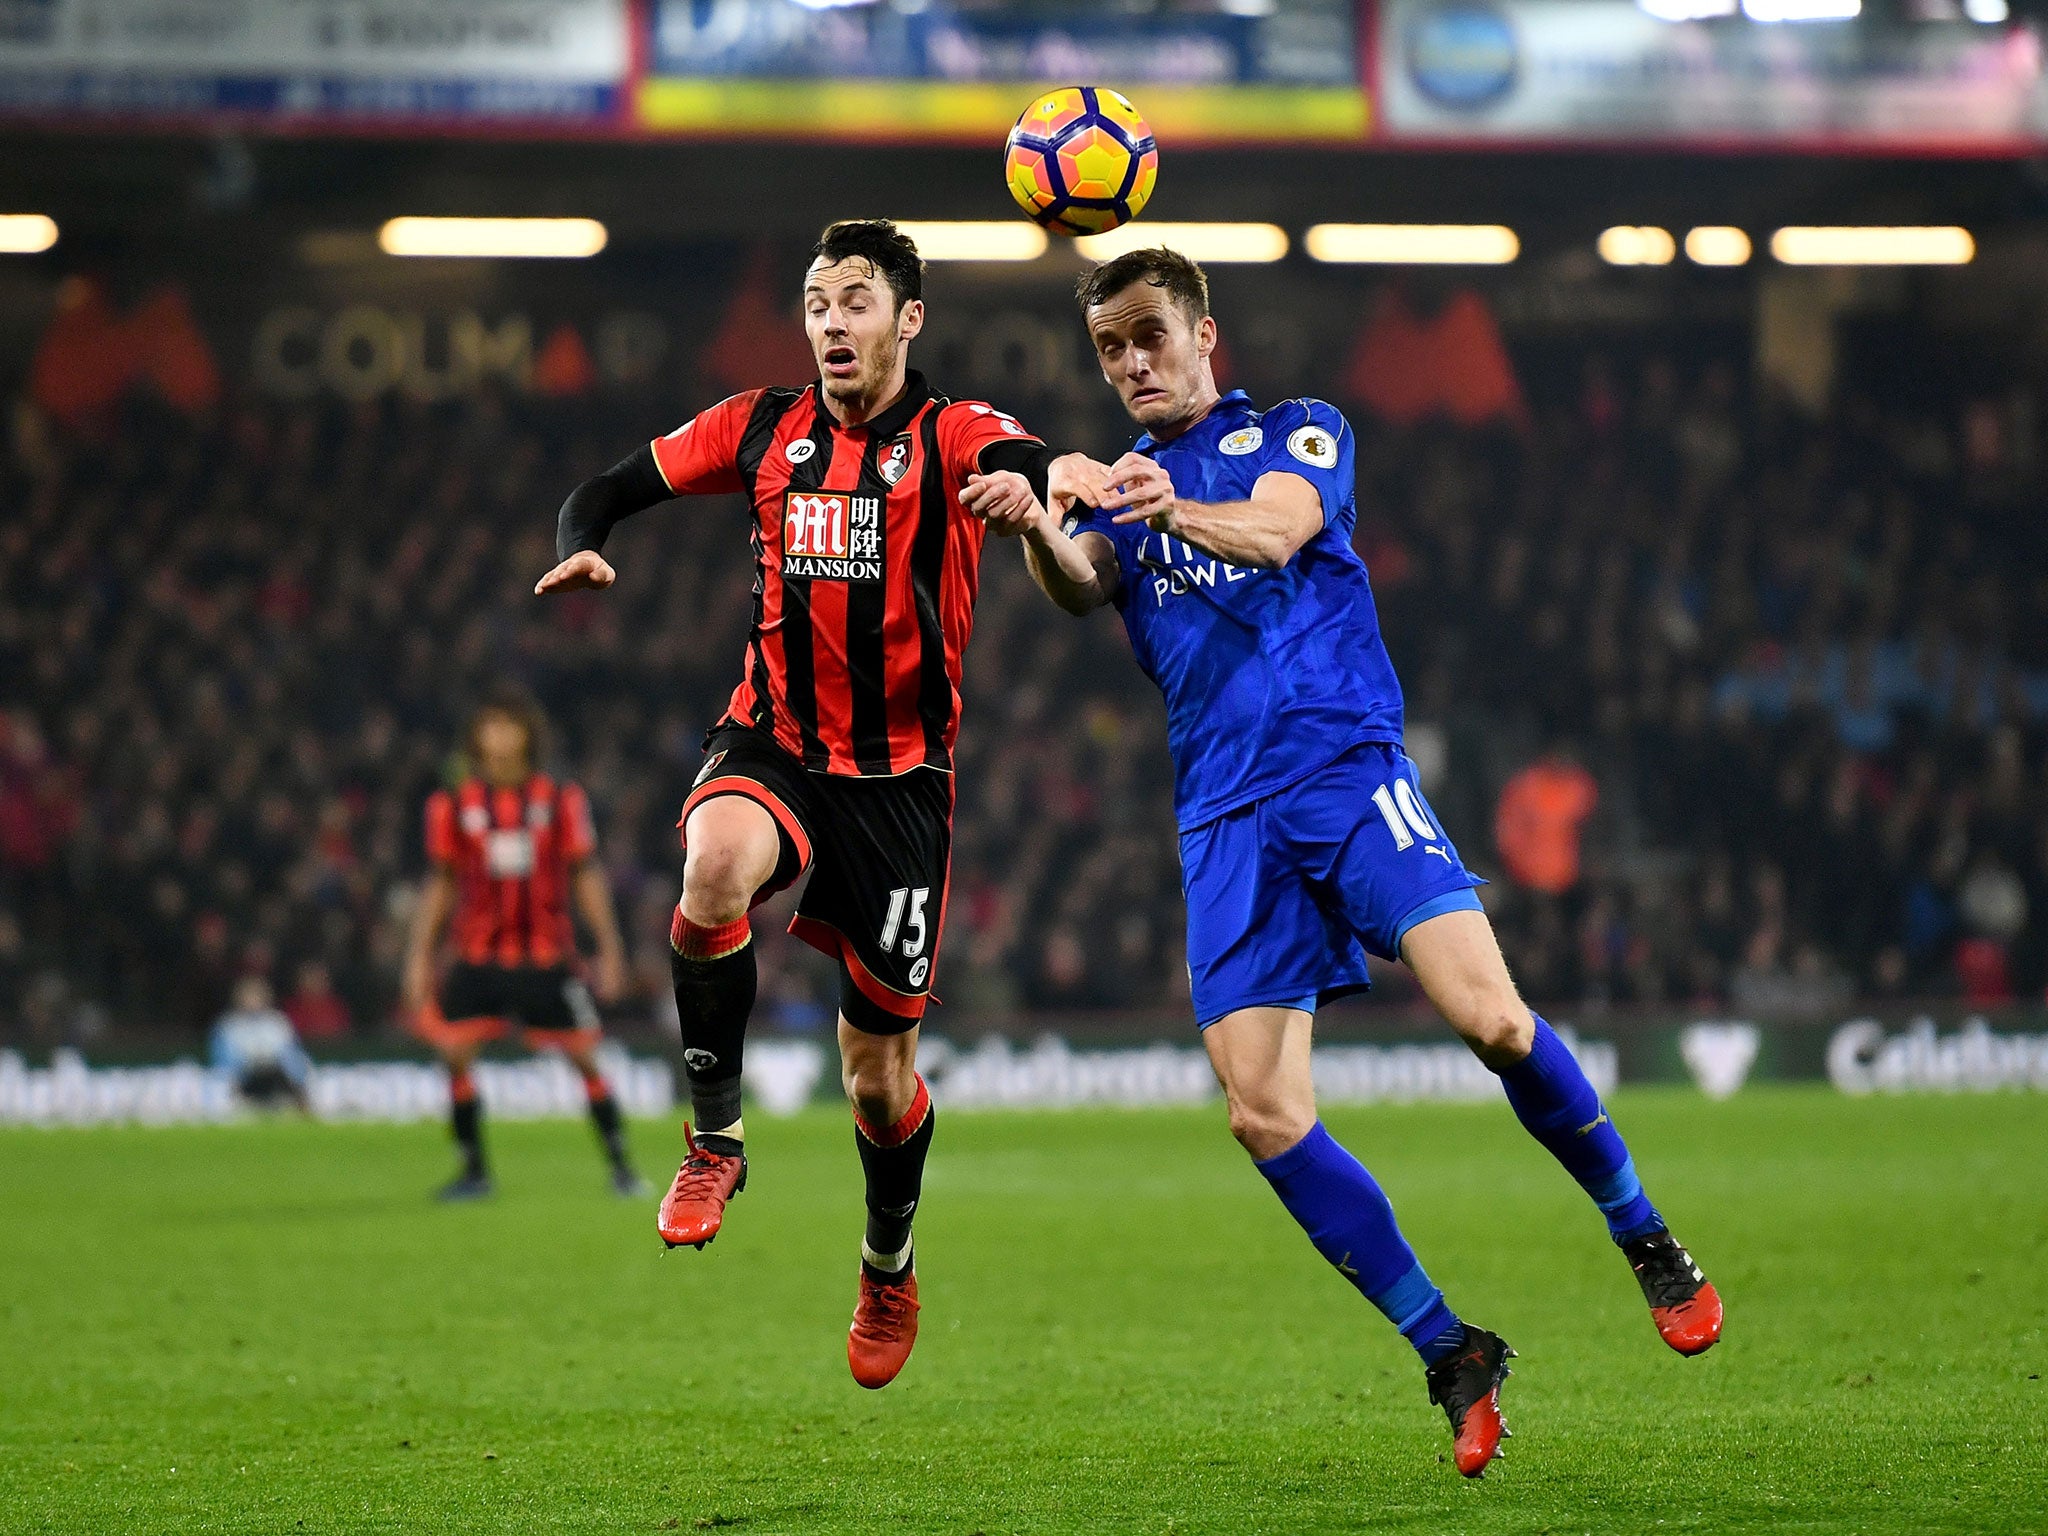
{"points": [[1348, 1218], [1559, 1108]]}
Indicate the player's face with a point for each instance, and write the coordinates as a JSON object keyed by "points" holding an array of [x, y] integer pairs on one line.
{"points": [[857, 329], [502, 745], [1157, 359]]}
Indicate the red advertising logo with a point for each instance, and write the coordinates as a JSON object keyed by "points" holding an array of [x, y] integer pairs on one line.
{"points": [[816, 525]]}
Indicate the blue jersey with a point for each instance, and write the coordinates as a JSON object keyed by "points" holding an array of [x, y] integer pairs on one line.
{"points": [[1269, 676]]}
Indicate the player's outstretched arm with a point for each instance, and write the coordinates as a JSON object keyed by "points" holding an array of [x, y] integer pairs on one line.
{"points": [[1079, 574], [1264, 533], [587, 518]]}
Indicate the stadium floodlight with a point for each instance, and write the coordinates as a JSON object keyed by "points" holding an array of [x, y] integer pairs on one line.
{"points": [[1987, 13], [492, 237], [975, 240], [1636, 245], [1687, 10], [1770, 11], [1717, 245], [1884, 246], [24, 234], [1481, 245], [1198, 242]]}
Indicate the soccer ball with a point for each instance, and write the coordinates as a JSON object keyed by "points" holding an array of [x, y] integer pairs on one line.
{"points": [[1081, 160]]}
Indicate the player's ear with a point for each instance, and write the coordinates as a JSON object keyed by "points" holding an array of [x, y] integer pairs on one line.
{"points": [[910, 320], [1205, 336]]}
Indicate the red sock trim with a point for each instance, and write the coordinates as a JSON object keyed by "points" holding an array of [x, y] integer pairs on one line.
{"points": [[695, 943], [461, 1087], [905, 1128], [595, 1088]]}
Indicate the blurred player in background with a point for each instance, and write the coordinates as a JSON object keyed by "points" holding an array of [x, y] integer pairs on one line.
{"points": [[511, 849], [835, 755], [1224, 538], [254, 1046]]}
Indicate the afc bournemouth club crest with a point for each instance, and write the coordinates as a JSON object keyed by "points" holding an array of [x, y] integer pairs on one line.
{"points": [[896, 462]]}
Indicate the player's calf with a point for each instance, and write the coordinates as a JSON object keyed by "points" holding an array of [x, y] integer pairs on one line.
{"points": [[716, 979], [609, 1123]]}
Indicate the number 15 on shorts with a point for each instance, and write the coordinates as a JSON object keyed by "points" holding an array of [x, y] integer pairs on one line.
{"points": [[906, 917]]}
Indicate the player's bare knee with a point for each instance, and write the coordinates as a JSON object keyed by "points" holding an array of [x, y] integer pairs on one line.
{"points": [[1266, 1128], [880, 1089], [718, 885], [1500, 1031]]}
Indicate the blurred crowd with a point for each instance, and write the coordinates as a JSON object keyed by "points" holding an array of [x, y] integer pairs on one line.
{"points": [[1782, 681], [1736, 709]]}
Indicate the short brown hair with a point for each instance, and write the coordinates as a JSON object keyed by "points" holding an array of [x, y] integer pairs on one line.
{"points": [[1185, 282], [883, 246], [515, 704]]}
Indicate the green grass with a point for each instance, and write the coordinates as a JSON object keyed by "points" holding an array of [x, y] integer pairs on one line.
{"points": [[269, 1328]]}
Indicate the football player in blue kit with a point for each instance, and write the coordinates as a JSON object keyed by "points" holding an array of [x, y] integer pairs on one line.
{"points": [[1224, 539]]}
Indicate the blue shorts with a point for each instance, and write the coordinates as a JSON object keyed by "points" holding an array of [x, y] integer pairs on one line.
{"points": [[1288, 895]]}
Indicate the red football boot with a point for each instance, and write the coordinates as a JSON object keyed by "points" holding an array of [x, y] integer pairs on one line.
{"points": [[1466, 1386], [694, 1206], [884, 1329], [1683, 1302]]}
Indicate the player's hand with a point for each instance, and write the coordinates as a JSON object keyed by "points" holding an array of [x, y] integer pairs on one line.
{"points": [[1140, 491], [582, 571], [1004, 501], [609, 979], [1075, 477]]}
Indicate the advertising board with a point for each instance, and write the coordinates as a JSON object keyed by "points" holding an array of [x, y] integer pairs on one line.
{"points": [[487, 60], [949, 72], [1536, 72]]}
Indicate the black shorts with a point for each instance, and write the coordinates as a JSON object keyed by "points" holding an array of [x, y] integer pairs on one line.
{"points": [[553, 999], [879, 851]]}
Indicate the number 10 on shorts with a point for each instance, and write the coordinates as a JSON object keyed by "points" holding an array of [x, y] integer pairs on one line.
{"points": [[1399, 807], [910, 924]]}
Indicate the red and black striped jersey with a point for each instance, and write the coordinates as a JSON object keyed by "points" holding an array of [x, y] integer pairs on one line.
{"points": [[512, 850], [865, 566]]}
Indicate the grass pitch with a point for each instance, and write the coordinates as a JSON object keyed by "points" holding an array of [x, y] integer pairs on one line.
{"points": [[270, 1329]]}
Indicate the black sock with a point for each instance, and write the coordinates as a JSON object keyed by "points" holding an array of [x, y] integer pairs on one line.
{"points": [[611, 1125], [466, 1115], [715, 979], [893, 1160]]}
